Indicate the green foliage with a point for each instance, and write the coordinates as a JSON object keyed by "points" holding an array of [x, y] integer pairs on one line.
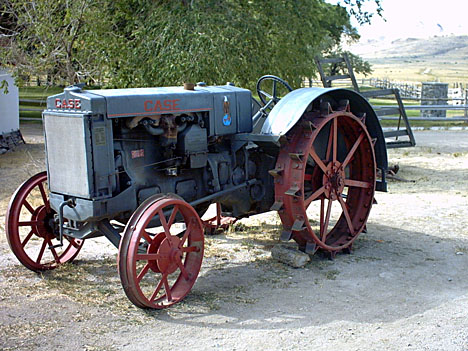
{"points": [[4, 86], [358, 63], [357, 9], [55, 38], [219, 41], [129, 43]]}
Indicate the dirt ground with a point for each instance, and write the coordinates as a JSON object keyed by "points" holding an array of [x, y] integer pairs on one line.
{"points": [[404, 287]]}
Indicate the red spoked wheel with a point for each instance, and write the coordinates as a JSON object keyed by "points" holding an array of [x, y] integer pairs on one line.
{"points": [[325, 181], [31, 231], [161, 252]]}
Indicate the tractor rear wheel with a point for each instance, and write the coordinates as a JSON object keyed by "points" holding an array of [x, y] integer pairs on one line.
{"points": [[159, 259], [325, 180], [31, 230]]}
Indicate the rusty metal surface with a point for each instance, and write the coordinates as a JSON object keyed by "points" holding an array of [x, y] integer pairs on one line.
{"points": [[29, 221], [339, 172], [159, 269]]}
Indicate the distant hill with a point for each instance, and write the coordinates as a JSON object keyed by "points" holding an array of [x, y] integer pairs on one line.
{"points": [[446, 49], [439, 58]]}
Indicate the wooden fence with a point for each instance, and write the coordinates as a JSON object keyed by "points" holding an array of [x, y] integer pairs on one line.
{"points": [[457, 99], [31, 105]]}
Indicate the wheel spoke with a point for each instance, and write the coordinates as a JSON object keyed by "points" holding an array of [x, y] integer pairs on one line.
{"points": [[324, 228], [41, 252], [317, 159], [182, 267], [168, 289], [357, 183], [353, 150], [54, 252], [346, 214], [143, 272], [314, 196], [274, 89], [72, 242], [158, 287], [190, 249], [25, 241], [147, 257], [322, 214], [186, 234], [167, 232], [329, 144], [146, 236], [335, 138], [173, 215], [44, 196], [28, 206], [28, 223]]}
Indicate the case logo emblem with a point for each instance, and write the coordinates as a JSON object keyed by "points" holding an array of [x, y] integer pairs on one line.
{"points": [[68, 103]]}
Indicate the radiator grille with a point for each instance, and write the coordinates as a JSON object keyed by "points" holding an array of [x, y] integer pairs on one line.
{"points": [[68, 161]]}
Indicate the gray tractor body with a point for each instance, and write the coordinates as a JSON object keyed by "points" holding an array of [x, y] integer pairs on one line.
{"points": [[109, 150]]}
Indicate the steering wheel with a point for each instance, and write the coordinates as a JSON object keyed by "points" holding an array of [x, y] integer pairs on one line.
{"points": [[264, 82]]}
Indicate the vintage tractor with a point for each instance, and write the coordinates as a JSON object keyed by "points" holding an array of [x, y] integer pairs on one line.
{"points": [[141, 166]]}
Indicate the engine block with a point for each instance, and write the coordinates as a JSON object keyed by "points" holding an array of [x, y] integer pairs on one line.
{"points": [[109, 150]]}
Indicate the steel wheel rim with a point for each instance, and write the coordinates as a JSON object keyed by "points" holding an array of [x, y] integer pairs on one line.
{"points": [[357, 175], [40, 228], [174, 261]]}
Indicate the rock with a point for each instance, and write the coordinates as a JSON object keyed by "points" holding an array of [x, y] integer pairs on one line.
{"points": [[289, 255]]}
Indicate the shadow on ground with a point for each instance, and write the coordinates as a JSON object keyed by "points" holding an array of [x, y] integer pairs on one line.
{"points": [[391, 274]]}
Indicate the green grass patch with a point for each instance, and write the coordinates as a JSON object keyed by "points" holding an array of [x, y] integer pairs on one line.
{"points": [[38, 93]]}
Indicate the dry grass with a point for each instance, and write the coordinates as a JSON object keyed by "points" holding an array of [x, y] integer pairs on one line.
{"points": [[421, 71]]}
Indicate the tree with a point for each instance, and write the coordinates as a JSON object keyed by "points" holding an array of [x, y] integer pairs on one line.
{"points": [[358, 63], [356, 8], [216, 41], [54, 38], [128, 43]]}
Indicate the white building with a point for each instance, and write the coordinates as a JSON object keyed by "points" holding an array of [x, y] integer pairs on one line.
{"points": [[9, 114]]}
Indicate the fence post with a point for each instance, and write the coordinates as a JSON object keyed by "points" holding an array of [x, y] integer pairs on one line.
{"points": [[466, 102]]}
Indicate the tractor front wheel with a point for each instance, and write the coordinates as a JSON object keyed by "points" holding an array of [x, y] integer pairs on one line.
{"points": [[161, 252], [31, 230]]}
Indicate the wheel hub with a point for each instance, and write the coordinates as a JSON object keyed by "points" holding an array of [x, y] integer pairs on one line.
{"points": [[333, 180], [169, 254], [153, 248], [41, 218]]}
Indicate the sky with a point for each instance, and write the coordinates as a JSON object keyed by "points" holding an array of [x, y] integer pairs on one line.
{"points": [[416, 19]]}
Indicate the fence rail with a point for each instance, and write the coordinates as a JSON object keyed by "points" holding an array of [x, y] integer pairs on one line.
{"points": [[28, 102], [408, 90]]}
